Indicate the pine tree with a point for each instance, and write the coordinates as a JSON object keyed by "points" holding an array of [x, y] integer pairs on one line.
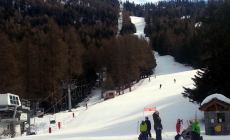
{"points": [[215, 47]]}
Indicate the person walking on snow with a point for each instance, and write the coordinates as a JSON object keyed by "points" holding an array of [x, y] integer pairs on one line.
{"points": [[174, 80], [160, 86], [143, 129], [147, 121], [157, 125]]}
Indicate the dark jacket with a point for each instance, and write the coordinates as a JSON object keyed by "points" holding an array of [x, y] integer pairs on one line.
{"points": [[148, 124], [157, 121]]}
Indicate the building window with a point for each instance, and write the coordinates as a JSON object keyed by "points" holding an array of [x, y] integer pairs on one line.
{"points": [[14, 100], [110, 94], [220, 117]]}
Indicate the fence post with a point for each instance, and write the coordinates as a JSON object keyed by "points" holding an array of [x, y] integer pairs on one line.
{"points": [[59, 125], [50, 130]]}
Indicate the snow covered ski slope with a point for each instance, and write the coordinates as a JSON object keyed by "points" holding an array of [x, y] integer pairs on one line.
{"points": [[119, 118]]}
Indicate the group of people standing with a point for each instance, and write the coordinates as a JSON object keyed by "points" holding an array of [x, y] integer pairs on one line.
{"points": [[193, 130], [145, 127]]}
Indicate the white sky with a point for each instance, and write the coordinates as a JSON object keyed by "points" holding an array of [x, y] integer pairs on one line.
{"points": [[119, 118]]}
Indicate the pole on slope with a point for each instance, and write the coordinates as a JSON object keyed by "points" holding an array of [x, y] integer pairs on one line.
{"points": [[143, 112], [137, 126], [69, 98], [164, 134]]}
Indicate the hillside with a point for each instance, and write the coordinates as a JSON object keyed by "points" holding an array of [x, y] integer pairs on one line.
{"points": [[118, 118]]}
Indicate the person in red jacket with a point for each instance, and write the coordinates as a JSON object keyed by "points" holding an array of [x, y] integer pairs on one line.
{"points": [[179, 129], [179, 126]]}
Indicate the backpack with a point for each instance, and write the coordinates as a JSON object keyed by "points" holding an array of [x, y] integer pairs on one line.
{"points": [[140, 136]]}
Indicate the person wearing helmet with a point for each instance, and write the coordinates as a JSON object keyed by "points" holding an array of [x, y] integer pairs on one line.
{"points": [[143, 129], [147, 121], [157, 125]]}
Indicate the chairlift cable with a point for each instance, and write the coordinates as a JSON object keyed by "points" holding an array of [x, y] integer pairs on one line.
{"points": [[54, 104], [47, 97]]}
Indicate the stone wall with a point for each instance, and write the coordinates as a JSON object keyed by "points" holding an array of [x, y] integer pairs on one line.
{"points": [[210, 127]]}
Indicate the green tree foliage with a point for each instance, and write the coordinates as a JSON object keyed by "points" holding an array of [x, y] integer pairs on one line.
{"points": [[171, 28], [215, 49]]}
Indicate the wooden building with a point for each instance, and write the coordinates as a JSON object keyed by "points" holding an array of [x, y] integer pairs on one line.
{"points": [[216, 117], [110, 94]]}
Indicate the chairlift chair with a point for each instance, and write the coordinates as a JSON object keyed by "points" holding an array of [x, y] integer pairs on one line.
{"points": [[52, 119]]}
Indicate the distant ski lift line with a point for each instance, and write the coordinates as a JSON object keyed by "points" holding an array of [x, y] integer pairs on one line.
{"points": [[69, 83]]}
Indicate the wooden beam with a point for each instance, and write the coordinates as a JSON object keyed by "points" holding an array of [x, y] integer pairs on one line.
{"points": [[206, 108], [214, 103], [216, 107]]}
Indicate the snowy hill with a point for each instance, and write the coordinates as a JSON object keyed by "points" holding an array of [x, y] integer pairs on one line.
{"points": [[118, 118]]}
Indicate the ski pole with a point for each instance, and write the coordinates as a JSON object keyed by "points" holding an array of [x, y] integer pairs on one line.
{"points": [[137, 127], [164, 134]]}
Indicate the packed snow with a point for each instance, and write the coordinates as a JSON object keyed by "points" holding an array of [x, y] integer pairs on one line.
{"points": [[119, 118], [218, 96]]}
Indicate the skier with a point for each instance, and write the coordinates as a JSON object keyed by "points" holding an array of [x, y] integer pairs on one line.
{"points": [[147, 121], [157, 125], [160, 86], [195, 128], [174, 80], [143, 129]]}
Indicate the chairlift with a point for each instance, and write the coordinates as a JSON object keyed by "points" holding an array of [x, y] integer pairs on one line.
{"points": [[52, 119], [40, 112]]}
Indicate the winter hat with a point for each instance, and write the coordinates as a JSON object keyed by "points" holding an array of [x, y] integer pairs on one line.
{"points": [[192, 120], [146, 118], [157, 112]]}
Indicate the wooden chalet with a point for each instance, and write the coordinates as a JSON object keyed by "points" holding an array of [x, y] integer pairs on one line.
{"points": [[216, 117]]}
